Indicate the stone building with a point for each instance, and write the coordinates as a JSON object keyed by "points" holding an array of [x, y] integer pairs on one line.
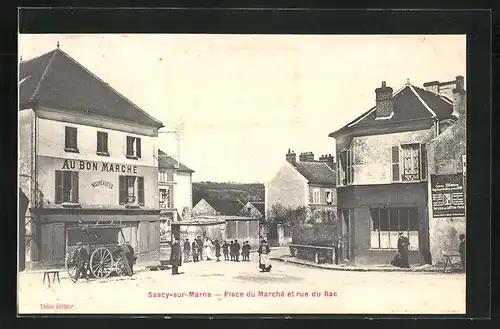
{"points": [[446, 157], [304, 183], [383, 173], [86, 155]]}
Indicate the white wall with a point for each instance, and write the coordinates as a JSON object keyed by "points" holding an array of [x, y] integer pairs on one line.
{"points": [[183, 191]]}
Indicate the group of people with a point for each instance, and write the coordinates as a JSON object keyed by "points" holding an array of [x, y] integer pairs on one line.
{"points": [[204, 250], [401, 258], [81, 259]]}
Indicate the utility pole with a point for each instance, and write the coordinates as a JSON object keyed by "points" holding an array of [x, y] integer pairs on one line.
{"points": [[178, 131]]}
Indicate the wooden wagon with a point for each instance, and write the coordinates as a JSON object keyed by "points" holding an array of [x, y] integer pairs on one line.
{"points": [[106, 255]]}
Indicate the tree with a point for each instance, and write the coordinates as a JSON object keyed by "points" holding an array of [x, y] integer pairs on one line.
{"points": [[286, 215]]}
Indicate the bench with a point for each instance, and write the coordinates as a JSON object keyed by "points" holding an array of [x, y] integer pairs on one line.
{"points": [[448, 260], [55, 274], [320, 252]]}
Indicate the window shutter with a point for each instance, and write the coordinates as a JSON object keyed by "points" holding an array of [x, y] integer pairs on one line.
{"points": [[74, 138], [140, 192], [130, 145], [59, 186], [67, 137], [351, 168], [138, 147], [99, 142], [423, 162], [338, 170], [74, 186], [396, 175], [348, 169], [105, 142], [122, 190]]}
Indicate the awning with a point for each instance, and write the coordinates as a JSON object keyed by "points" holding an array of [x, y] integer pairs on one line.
{"points": [[101, 218]]}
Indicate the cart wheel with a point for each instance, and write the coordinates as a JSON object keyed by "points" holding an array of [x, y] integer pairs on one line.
{"points": [[101, 263], [70, 268], [120, 267]]}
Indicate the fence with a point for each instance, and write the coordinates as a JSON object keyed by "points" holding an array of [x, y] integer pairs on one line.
{"points": [[314, 242]]}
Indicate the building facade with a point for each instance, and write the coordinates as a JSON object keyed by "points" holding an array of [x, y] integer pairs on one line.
{"points": [[447, 166], [382, 173], [175, 192], [86, 155], [305, 183]]}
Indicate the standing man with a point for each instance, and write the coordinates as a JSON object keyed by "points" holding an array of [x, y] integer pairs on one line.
{"points": [[231, 250], [176, 257], [245, 251], [237, 249], [403, 244], [225, 250], [80, 258], [461, 250], [199, 242], [195, 251], [130, 256], [187, 250], [217, 250]]}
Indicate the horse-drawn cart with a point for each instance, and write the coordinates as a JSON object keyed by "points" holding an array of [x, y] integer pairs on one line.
{"points": [[106, 255]]}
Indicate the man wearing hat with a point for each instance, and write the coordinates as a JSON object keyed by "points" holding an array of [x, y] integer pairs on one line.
{"points": [[130, 256], [80, 258], [176, 256]]}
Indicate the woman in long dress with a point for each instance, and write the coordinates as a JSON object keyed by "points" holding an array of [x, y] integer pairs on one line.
{"points": [[208, 247], [264, 262]]}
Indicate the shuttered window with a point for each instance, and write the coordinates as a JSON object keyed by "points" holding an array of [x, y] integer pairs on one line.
{"points": [[66, 183], [133, 147], [396, 174], [102, 142], [70, 138], [131, 190]]}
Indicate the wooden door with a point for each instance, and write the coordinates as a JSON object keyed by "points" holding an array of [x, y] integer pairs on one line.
{"points": [[345, 251], [154, 236], [143, 237], [53, 242]]}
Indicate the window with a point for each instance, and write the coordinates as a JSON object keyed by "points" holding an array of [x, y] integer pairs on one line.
{"points": [[316, 196], [386, 223], [102, 143], [166, 201], [328, 197], [345, 169], [131, 190], [66, 186], [165, 176], [70, 139], [409, 163], [133, 147]]}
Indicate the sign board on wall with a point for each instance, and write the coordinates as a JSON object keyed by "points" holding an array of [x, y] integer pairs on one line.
{"points": [[448, 195]]}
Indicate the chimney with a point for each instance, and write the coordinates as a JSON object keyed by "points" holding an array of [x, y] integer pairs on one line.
{"points": [[328, 159], [291, 157], [306, 157], [432, 86], [459, 98], [383, 100]]}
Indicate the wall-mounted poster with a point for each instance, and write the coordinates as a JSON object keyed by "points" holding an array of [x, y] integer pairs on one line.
{"points": [[448, 195]]}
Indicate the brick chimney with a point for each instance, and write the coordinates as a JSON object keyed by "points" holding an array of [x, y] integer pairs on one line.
{"points": [[306, 157], [459, 98], [328, 159], [291, 157], [383, 100]]}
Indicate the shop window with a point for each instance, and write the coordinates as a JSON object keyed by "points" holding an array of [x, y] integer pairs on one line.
{"points": [[386, 223], [133, 147], [70, 139], [131, 190], [66, 186], [102, 143]]}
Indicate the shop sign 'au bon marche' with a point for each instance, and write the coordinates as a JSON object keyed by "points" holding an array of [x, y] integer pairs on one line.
{"points": [[98, 166]]}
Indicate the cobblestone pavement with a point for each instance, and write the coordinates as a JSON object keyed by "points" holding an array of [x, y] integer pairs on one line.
{"points": [[229, 287]]}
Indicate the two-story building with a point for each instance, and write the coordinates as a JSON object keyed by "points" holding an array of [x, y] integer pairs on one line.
{"points": [[307, 182], [382, 173], [86, 155], [175, 192]]}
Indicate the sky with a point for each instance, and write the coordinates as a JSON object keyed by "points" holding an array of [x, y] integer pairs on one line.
{"points": [[245, 100]]}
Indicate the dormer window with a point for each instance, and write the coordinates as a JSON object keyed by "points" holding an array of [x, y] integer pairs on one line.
{"points": [[133, 147]]}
